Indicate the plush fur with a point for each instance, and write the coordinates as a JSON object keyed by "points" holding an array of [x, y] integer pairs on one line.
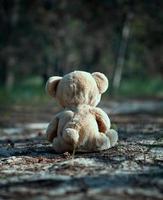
{"points": [[81, 124]]}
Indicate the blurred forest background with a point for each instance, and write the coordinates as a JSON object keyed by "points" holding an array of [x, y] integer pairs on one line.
{"points": [[121, 38]]}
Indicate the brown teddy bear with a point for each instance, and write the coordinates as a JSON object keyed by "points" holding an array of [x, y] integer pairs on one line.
{"points": [[81, 125]]}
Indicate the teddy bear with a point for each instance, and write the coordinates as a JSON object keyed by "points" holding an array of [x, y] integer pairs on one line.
{"points": [[80, 125]]}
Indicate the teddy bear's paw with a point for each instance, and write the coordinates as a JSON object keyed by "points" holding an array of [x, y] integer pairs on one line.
{"points": [[99, 143], [60, 146], [71, 136], [57, 145], [113, 136]]}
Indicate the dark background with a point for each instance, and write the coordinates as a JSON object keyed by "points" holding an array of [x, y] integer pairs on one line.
{"points": [[121, 38]]}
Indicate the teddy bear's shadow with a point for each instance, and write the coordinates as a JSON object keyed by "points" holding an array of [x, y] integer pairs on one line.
{"points": [[37, 147], [34, 147]]}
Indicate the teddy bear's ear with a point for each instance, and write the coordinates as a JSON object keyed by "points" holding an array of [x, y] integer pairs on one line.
{"points": [[101, 80], [51, 85]]}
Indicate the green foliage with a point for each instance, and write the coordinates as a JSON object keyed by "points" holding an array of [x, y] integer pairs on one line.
{"points": [[30, 91], [143, 87]]}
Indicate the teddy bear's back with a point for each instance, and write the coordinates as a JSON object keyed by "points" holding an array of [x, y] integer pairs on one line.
{"points": [[81, 119]]}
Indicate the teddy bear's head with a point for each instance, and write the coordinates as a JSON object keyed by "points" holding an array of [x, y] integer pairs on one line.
{"points": [[77, 88]]}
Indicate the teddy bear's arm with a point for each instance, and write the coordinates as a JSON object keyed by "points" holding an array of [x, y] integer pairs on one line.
{"points": [[51, 131], [102, 119]]}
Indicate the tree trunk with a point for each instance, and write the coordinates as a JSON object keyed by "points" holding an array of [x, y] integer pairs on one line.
{"points": [[122, 52]]}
